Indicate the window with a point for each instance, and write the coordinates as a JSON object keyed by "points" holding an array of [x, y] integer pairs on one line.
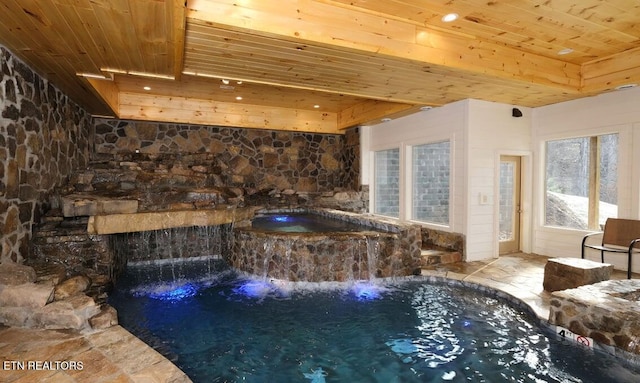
{"points": [[581, 181], [387, 182], [430, 170], [413, 182]]}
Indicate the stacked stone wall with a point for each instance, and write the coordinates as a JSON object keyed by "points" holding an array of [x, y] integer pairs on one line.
{"points": [[44, 136], [608, 312], [235, 157], [382, 249], [351, 160], [438, 239]]}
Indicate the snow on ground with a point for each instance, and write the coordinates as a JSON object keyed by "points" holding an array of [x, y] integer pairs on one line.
{"points": [[580, 205]]}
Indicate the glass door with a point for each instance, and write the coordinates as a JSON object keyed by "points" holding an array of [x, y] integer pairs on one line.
{"points": [[509, 233]]}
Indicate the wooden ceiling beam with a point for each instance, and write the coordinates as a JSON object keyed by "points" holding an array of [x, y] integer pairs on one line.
{"points": [[344, 28], [610, 72], [108, 91], [368, 111], [148, 107], [178, 20]]}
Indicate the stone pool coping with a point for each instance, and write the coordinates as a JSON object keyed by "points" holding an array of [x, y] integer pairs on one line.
{"points": [[375, 221]]}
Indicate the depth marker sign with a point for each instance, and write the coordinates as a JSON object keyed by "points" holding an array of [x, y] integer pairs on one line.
{"points": [[564, 333]]}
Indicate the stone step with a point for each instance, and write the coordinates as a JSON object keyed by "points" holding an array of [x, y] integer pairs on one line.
{"points": [[432, 257]]}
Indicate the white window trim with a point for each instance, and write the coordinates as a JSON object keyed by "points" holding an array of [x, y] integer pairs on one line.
{"points": [[372, 177], [409, 184], [406, 178], [625, 135]]}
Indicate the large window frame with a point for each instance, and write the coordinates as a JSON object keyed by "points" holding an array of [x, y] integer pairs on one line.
{"points": [[435, 209], [407, 181], [384, 169], [583, 166]]}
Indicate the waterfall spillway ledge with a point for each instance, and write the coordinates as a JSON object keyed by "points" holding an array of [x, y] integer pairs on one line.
{"points": [[376, 248], [157, 220], [98, 236]]}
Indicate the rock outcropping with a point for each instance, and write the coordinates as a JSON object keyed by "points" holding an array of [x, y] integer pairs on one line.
{"points": [[32, 302]]}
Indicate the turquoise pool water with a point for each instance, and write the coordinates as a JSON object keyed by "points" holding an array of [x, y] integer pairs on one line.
{"points": [[219, 326]]}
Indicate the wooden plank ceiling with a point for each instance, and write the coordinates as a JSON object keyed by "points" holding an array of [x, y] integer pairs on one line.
{"points": [[320, 65]]}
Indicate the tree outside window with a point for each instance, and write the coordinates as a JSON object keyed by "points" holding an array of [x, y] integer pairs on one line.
{"points": [[581, 181]]}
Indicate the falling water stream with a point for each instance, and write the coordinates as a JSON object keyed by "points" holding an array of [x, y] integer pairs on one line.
{"points": [[373, 249], [172, 248]]}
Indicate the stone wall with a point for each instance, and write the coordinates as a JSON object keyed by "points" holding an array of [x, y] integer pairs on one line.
{"points": [[608, 312], [234, 157], [351, 160], [67, 247], [442, 240], [383, 248], [44, 136]]}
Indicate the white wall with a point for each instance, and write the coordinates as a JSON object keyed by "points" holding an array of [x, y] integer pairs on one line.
{"points": [[444, 123], [482, 131], [492, 132], [615, 112], [479, 133]]}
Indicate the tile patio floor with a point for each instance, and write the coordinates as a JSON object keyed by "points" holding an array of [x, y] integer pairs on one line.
{"points": [[114, 355]]}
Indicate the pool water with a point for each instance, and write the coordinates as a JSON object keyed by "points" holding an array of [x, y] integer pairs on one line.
{"points": [[303, 223], [218, 326]]}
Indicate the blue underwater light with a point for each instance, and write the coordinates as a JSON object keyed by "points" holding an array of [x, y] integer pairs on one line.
{"points": [[282, 218], [175, 293]]}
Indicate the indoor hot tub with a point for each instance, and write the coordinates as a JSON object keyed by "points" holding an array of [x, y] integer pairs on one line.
{"points": [[324, 245]]}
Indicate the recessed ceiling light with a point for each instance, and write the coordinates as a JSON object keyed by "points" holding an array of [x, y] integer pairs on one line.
{"points": [[316, 106], [239, 98], [147, 88], [626, 86], [386, 119], [565, 51], [449, 17], [225, 81], [239, 82]]}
